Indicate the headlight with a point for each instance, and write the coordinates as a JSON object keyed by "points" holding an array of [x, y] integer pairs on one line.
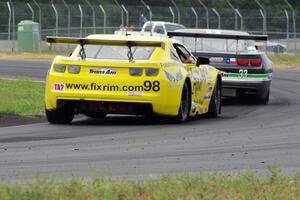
{"points": [[73, 69], [59, 68], [151, 71], [136, 71]]}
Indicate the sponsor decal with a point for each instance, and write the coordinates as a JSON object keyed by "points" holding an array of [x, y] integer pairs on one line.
{"points": [[216, 59], [207, 96], [179, 76], [59, 87], [135, 94], [146, 87], [175, 86], [103, 71], [209, 89], [170, 77], [207, 76], [194, 107], [231, 61]]}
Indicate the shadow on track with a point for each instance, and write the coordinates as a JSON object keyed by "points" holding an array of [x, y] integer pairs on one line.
{"points": [[124, 120]]}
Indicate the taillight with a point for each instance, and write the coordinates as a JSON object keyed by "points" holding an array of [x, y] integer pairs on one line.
{"points": [[256, 62], [136, 71], [59, 68], [243, 61], [73, 69], [151, 71]]}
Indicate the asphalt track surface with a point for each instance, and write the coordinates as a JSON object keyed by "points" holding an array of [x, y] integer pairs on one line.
{"points": [[35, 70], [246, 136]]}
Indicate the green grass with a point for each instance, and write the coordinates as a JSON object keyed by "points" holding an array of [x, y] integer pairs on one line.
{"points": [[244, 186], [285, 61], [21, 97]]}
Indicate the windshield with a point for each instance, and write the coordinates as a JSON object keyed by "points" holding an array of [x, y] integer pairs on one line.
{"points": [[215, 45], [117, 52], [173, 27]]}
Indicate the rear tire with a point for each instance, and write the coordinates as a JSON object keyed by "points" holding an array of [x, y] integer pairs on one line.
{"points": [[215, 102], [184, 108], [264, 100], [63, 115]]}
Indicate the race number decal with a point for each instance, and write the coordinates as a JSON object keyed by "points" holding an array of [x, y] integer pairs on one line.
{"points": [[243, 73], [148, 85]]}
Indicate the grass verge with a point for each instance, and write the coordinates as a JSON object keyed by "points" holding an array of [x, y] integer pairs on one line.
{"points": [[285, 61], [21, 97], [241, 186], [43, 56]]}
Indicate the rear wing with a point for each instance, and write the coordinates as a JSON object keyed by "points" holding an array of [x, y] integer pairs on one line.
{"points": [[218, 36], [237, 38], [103, 41], [113, 42]]}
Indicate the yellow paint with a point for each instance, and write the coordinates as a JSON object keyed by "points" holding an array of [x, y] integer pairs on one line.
{"points": [[166, 101]]}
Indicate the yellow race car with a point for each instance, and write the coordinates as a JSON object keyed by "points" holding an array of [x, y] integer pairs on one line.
{"points": [[124, 74]]}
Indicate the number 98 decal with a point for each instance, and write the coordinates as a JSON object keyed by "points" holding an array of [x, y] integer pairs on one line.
{"points": [[243, 73], [148, 85]]}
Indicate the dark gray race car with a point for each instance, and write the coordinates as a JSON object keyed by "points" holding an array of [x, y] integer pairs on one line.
{"points": [[247, 71]]}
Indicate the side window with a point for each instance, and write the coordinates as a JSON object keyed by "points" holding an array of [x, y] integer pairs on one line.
{"points": [[159, 29], [174, 56], [184, 55], [148, 28]]}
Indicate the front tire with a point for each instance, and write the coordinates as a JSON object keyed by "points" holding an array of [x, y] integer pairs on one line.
{"points": [[63, 115], [184, 108], [215, 102]]}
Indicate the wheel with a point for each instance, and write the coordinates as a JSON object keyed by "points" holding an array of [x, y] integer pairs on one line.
{"points": [[63, 115], [184, 108], [96, 115], [264, 100], [215, 102]]}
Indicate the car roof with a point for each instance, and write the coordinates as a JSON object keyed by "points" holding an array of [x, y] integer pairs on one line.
{"points": [[163, 22], [213, 31]]}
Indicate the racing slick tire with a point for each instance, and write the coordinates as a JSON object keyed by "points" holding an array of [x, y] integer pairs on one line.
{"points": [[185, 104], [215, 102], [96, 115], [253, 98], [63, 115], [263, 100]]}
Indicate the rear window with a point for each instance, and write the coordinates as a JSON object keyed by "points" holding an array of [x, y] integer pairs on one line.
{"points": [[159, 29], [148, 28], [215, 45], [117, 52]]}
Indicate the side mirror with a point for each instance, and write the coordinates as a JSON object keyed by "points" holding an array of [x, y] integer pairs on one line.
{"points": [[202, 61]]}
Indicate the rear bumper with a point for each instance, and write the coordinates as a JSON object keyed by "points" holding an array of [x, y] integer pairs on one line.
{"points": [[159, 101], [259, 86]]}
